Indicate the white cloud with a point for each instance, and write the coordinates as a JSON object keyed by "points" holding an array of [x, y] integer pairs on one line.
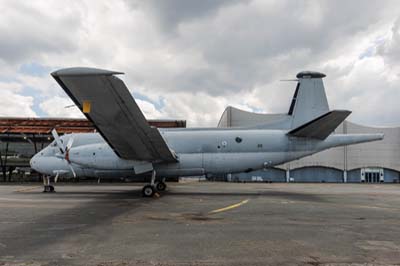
{"points": [[13, 104], [149, 110], [11, 86], [201, 56], [60, 107], [44, 85]]}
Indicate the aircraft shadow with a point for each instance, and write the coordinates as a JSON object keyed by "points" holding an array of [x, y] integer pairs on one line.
{"points": [[102, 207], [123, 194], [277, 194], [136, 194]]}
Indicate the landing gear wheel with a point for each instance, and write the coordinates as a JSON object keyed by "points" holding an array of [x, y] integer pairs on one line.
{"points": [[161, 186], [148, 191], [48, 188]]}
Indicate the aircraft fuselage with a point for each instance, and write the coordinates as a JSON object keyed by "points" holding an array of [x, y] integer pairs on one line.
{"points": [[199, 151]]}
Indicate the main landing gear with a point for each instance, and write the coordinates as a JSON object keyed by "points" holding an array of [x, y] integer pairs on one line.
{"points": [[47, 187], [161, 186], [150, 189]]}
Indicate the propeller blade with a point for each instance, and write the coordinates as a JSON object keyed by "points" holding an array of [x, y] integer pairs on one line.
{"points": [[64, 149], [58, 140], [69, 144], [72, 170], [68, 148]]}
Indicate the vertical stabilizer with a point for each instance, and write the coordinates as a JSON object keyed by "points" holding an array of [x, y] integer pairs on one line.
{"points": [[309, 100]]}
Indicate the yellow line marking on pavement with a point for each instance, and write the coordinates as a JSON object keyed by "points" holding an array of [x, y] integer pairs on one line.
{"points": [[229, 207], [27, 189]]}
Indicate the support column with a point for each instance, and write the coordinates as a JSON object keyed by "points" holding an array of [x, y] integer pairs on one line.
{"points": [[3, 169], [288, 175], [4, 166], [10, 170], [345, 154]]}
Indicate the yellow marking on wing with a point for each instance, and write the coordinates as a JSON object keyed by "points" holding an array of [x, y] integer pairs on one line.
{"points": [[86, 107], [27, 189], [229, 207]]}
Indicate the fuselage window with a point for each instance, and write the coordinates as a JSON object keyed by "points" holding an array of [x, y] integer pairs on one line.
{"points": [[259, 146], [238, 139]]}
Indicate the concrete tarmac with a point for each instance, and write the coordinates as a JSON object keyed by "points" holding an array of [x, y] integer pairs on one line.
{"points": [[201, 224]]}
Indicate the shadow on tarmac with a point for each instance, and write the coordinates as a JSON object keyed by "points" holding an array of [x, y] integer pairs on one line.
{"points": [[33, 234], [278, 194], [97, 208]]}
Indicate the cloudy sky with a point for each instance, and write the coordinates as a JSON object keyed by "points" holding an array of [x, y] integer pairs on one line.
{"points": [[190, 59]]}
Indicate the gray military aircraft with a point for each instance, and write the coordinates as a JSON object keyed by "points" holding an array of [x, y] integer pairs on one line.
{"points": [[126, 145]]}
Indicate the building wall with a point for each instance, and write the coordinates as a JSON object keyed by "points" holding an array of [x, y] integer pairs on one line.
{"points": [[316, 174], [233, 117], [354, 176], [330, 165], [391, 176], [266, 175]]}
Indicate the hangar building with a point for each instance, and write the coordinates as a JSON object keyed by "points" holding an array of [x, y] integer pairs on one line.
{"points": [[371, 162]]}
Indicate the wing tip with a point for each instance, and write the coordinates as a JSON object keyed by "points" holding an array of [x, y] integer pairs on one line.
{"points": [[345, 113], [83, 71]]}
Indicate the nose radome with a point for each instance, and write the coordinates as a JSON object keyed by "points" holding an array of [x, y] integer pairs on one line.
{"points": [[32, 162]]}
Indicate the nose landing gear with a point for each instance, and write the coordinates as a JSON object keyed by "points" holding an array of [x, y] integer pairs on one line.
{"points": [[47, 187]]}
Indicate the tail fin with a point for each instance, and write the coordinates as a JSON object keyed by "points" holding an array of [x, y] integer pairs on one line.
{"points": [[322, 126], [309, 100]]}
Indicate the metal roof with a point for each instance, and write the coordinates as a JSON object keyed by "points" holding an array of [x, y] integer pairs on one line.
{"points": [[29, 125]]}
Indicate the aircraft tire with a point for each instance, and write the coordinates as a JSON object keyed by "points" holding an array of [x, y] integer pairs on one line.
{"points": [[148, 191], [161, 186], [48, 189]]}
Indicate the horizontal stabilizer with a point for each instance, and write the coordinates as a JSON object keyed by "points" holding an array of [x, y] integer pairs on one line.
{"points": [[336, 140], [322, 126]]}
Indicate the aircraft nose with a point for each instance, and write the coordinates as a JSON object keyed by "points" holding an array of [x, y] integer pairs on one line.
{"points": [[32, 162]]}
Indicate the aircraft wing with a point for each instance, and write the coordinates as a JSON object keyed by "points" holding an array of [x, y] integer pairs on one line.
{"points": [[322, 126], [105, 100]]}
